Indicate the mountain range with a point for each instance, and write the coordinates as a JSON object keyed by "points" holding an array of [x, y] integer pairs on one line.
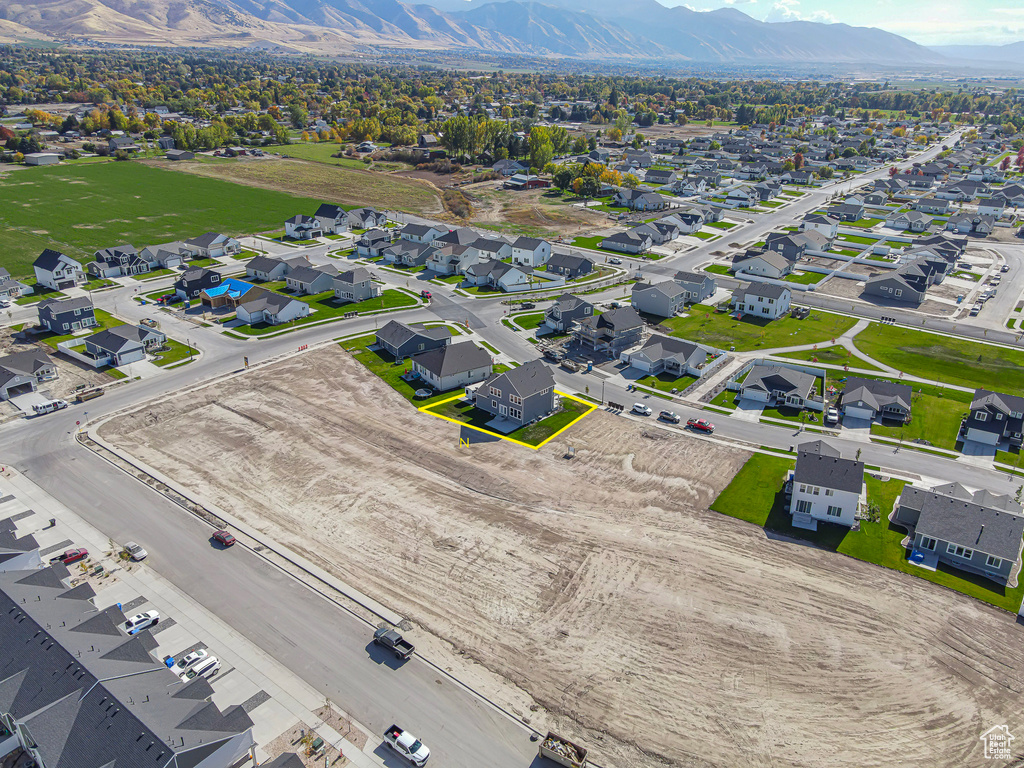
{"points": [[598, 29]]}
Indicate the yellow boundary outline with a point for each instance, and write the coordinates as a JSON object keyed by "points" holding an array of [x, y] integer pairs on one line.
{"points": [[591, 409]]}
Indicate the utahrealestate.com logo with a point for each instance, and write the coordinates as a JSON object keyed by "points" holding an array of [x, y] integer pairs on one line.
{"points": [[998, 743]]}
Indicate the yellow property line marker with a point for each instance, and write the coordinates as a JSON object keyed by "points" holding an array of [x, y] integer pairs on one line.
{"points": [[591, 408]]}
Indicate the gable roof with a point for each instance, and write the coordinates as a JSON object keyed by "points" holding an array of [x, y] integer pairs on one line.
{"points": [[453, 359], [878, 393], [820, 464], [769, 378], [996, 532], [525, 380], [206, 240], [396, 334], [58, 306], [659, 347], [763, 290], [328, 211], [353, 276], [50, 259]]}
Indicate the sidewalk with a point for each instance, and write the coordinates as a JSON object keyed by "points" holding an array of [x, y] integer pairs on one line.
{"points": [[276, 700]]}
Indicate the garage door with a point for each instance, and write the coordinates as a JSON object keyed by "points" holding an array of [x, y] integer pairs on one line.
{"points": [[20, 389], [857, 413]]}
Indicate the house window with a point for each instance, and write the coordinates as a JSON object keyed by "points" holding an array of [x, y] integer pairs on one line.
{"points": [[927, 542], [803, 506], [958, 551], [815, 490], [833, 511], [1016, 415], [980, 416], [495, 392], [803, 488], [899, 291], [515, 399], [829, 492], [65, 326], [515, 413], [999, 417], [993, 562]]}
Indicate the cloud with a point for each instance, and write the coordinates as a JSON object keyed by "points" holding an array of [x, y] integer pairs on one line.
{"points": [[739, 2], [788, 10]]}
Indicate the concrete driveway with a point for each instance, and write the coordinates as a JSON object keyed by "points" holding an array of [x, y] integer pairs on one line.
{"points": [[25, 402]]}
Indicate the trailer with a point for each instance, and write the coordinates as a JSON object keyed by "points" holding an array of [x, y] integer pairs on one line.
{"points": [[562, 751]]}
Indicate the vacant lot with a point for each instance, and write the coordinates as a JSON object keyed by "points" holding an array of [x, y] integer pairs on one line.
{"points": [[327, 183], [720, 329], [82, 208], [602, 586]]}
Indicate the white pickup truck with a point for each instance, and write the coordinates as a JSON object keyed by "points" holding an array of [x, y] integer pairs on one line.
{"points": [[407, 745]]}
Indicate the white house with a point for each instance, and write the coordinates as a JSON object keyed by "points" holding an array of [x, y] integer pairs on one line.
{"points": [[763, 300], [826, 487], [827, 225], [531, 252], [57, 271], [213, 245], [272, 309]]}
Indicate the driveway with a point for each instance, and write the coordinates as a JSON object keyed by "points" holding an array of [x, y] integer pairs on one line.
{"points": [[25, 402]]}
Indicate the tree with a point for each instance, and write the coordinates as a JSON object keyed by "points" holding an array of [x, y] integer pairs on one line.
{"points": [[565, 175], [798, 161], [629, 181], [586, 187], [298, 115], [825, 172], [1004, 164], [893, 171], [541, 148]]}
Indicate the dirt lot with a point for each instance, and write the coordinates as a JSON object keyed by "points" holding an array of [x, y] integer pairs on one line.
{"points": [[529, 212], [852, 289], [658, 632]]}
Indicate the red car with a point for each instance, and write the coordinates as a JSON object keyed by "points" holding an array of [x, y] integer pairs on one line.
{"points": [[701, 425], [426, 294], [224, 538], [71, 556]]}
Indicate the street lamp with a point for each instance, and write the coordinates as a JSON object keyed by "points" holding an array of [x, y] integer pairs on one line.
{"points": [[189, 345]]}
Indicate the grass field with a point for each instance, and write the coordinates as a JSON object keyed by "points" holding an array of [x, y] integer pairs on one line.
{"points": [[327, 183], [111, 203], [381, 364], [666, 382], [805, 278], [323, 307], [721, 330], [319, 153], [176, 352], [935, 417], [529, 321], [717, 269], [532, 434], [952, 361], [835, 355]]}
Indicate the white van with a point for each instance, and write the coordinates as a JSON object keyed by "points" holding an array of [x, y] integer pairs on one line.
{"points": [[49, 406]]}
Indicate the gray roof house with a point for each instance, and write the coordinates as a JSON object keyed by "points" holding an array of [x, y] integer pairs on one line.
{"points": [[994, 418], [664, 299], [123, 344], [271, 268], [401, 341], [826, 487], [699, 286], [907, 284], [421, 233], [569, 265], [212, 245], [566, 310], [453, 365], [611, 333], [57, 271], [874, 398], [20, 372], [631, 241], [978, 532], [769, 264], [355, 285], [80, 692], [779, 383], [311, 280], [408, 253], [518, 396], [270, 308], [333, 218], [762, 300], [667, 354], [64, 316]]}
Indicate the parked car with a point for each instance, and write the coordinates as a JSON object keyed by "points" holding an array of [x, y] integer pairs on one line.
{"points": [[141, 621], [642, 409], [49, 407], [4, 303], [224, 538], [71, 556], [407, 745], [1005, 268], [527, 305], [701, 425], [426, 294], [616, 260], [975, 310], [392, 640], [669, 416], [135, 552], [206, 669], [194, 657], [832, 416]]}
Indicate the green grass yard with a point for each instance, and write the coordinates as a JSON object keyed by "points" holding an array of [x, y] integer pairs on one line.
{"points": [[805, 278], [834, 355], [39, 292], [104, 321], [935, 417], [666, 382], [322, 307], [717, 269], [721, 330], [154, 274], [721, 224], [940, 358], [532, 434], [110, 203], [529, 321], [725, 399], [320, 153], [176, 352], [381, 364]]}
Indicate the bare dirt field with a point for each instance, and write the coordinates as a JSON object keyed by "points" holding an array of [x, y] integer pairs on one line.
{"points": [[656, 631], [529, 212]]}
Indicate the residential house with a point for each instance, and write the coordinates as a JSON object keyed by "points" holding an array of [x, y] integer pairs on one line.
{"points": [[124, 344], [826, 487], [179, 154], [631, 241], [271, 268], [407, 253], [64, 316], [12, 289], [194, 281], [401, 341], [978, 532], [565, 311], [489, 248], [765, 263], [303, 227], [611, 333], [822, 223], [780, 384], [907, 284], [798, 177], [57, 271], [214, 245], [531, 252], [847, 211], [664, 299], [507, 167], [333, 218], [762, 300], [167, 255], [122, 143], [932, 205], [22, 371], [640, 200], [453, 365], [876, 399], [311, 280], [421, 233], [915, 221], [570, 266], [667, 354], [699, 286], [1010, 195], [118, 260], [686, 222], [521, 395], [526, 181], [261, 306], [457, 236], [452, 259], [795, 245], [500, 275], [355, 285], [876, 199], [659, 178], [962, 191], [366, 218], [745, 197], [968, 224], [374, 242], [995, 418], [989, 206]]}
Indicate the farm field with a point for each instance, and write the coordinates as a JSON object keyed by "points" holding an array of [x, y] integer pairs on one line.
{"points": [[547, 577], [111, 203]]}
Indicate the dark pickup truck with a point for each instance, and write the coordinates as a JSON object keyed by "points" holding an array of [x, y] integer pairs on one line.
{"points": [[389, 638]]}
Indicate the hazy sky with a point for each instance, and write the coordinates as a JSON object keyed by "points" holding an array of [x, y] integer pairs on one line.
{"points": [[929, 22]]}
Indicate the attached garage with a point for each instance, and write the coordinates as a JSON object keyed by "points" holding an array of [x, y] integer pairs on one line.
{"points": [[15, 385], [983, 436], [853, 412]]}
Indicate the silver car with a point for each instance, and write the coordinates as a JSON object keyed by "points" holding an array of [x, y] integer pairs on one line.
{"points": [[135, 552]]}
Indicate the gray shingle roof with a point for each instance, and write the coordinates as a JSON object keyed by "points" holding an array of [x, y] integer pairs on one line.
{"points": [[947, 518], [769, 378], [877, 393], [353, 276], [49, 259], [453, 359], [525, 380], [396, 334], [821, 465]]}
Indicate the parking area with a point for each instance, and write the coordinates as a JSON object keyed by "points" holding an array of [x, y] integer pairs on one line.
{"points": [[25, 402]]}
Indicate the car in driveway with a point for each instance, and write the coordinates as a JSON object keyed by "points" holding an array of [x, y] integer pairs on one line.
{"points": [[192, 658], [641, 409], [207, 669], [71, 556], [832, 416], [701, 425], [224, 538], [135, 552], [141, 621], [671, 416]]}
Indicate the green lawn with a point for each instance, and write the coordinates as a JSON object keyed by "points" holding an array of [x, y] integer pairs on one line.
{"points": [[721, 224], [666, 382], [110, 203], [725, 399], [450, 279], [533, 434], [864, 223], [104, 320], [323, 307], [202, 262], [858, 239], [721, 330], [381, 364], [39, 292], [834, 355], [97, 283], [594, 243], [529, 321], [805, 278], [320, 153], [717, 269], [243, 254], [706, 235], [935, 417], [154, 273], [755, 495], [175, 354], [940, 358]]}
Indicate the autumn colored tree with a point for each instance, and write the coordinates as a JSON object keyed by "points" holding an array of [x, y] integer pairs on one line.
{"points": [[798, 161]]}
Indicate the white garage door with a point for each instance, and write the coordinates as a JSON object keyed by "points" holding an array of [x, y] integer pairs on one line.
{"points": [[857, 413]]}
